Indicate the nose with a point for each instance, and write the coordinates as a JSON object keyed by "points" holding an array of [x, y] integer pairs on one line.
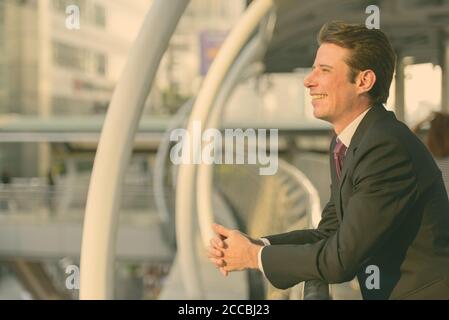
{"points": [[309, 80]]}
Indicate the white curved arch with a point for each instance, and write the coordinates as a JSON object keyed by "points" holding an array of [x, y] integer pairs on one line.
{"points": [[204, 179], [252, 53], [116, 142], [185, 197]]}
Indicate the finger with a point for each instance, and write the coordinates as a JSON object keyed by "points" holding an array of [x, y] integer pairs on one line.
{"points": [[217, 262], [218, 253], [217, 242], [224, 272], [228, 268], [214, 253], [219, 229]]}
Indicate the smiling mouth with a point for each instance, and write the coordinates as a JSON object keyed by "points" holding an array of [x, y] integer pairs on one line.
{"points": [[318, 96]]}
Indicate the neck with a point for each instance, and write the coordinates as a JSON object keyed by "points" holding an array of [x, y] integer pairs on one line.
{"points": [[345, 120]]}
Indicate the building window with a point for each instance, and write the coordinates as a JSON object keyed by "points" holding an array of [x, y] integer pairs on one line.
{"points": [[2, 40], [81, 59], [100, 15], [68, 56], [2, 13], [2, 78], [100, 64], [2, 24]]}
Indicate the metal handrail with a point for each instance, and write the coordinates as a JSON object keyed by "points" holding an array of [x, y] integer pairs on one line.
{"points": [[313, 289], [160, 172]]}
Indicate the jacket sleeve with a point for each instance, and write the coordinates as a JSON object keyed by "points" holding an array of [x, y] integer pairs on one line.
{"points": [[384, 191], [327, 226]]}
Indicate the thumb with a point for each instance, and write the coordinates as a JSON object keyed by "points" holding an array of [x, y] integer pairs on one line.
{"points": [[219, 229]]}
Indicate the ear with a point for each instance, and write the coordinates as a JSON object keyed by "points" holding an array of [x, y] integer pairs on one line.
{"points": [[365, 81]]}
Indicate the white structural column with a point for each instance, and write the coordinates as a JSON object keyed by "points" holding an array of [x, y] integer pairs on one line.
{"points": [[115, 147], [44, 78], [445, 75], [185, 191], [400, 89]]}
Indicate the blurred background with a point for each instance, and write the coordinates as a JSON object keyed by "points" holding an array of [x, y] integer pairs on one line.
{"points": [[56, 84]]}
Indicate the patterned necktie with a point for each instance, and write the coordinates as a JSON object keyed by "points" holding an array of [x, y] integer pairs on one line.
{"points": [[339, 156]]}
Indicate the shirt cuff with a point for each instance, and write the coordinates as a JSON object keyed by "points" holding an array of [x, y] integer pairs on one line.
{"points": [[266, 242]]}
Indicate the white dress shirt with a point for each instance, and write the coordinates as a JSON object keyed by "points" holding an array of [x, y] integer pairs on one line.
{"points": [[345, 136]]}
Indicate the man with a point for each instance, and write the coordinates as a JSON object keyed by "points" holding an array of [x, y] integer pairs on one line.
{"points": [[388, 209]]}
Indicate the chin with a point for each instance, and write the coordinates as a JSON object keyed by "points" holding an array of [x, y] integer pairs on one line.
{"points": [[321, 110], [322, 116], [319, 115]]}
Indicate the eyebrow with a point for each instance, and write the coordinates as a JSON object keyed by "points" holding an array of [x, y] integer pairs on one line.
{"points": [[323, 65]]}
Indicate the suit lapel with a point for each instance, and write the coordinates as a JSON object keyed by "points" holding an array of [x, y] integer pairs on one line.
{"points": [[374, 113], [335, 185], [347, 163]]}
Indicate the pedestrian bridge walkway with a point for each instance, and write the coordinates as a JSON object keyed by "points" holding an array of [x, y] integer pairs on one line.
{"points": [[39, 235]]}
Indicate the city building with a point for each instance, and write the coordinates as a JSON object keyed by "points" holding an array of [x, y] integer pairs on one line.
{"points": [[48, 68]]}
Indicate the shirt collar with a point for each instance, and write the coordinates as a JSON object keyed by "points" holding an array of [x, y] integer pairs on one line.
{"points": [[346, 135]]}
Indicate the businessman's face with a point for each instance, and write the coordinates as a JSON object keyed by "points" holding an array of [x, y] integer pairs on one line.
{"points": [[333, 95]]}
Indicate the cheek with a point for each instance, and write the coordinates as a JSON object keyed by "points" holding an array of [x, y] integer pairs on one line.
{"points": [[344, 91]]}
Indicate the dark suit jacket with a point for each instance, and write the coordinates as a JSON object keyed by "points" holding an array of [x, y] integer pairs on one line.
{"points": [[390, 209]]}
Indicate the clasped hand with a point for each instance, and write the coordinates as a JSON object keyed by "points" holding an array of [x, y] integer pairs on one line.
{"points": [[232, 250]]}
